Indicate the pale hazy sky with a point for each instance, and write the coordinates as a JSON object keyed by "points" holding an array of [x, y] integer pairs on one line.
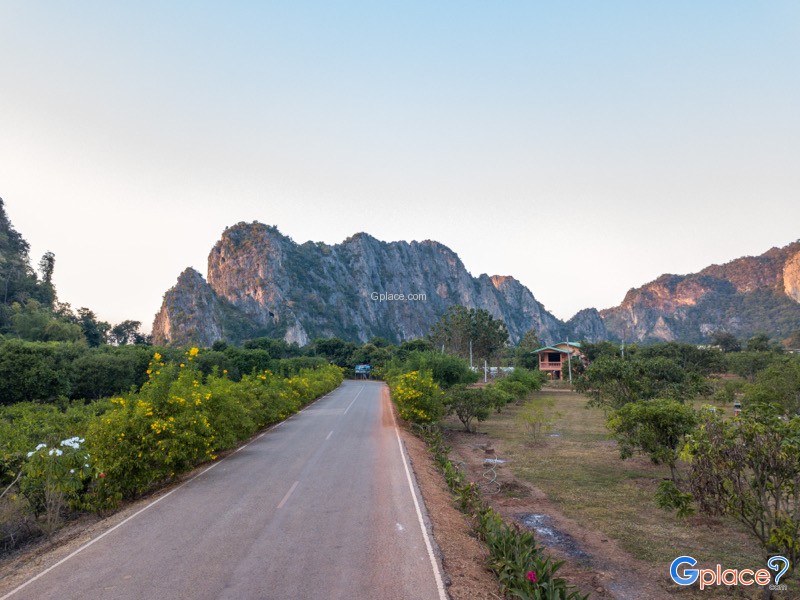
{"points": [[582, 147]]}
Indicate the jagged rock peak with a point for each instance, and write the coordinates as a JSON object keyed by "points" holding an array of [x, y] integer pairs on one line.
{"points": [[260, 282]]}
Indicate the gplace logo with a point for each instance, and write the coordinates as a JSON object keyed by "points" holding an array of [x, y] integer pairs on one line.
{"points": [[719, 576]]}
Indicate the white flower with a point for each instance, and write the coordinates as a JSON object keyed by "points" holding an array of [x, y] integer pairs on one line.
{"points": [[73, 442], [35, 450], [72, 470], [55, 451]]}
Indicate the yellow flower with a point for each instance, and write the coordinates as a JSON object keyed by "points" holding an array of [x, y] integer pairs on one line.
{"points": [[157, 356], [182, 365], [193, 352]]}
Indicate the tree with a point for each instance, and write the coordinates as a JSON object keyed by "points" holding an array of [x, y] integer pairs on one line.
{"points": [[688, 356], [452, 331], [594, 350], [35, 322], [94, 331], [656, 428], [759, 343], [748, 364], [18, 281], [336, 350], [727, 342], [613, 382], [749, 468], [47, 265], [460, 326], [468, 404], [523, 354], [777, 384], [126, 333]]}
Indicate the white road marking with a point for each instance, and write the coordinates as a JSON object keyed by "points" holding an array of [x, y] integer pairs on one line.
{"points": [[285, 498], [153, 503], [428, 545], [354, 399], [329, 436]]}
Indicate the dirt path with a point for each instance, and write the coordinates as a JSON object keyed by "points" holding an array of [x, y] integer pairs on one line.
{"points": [[593, 562]]}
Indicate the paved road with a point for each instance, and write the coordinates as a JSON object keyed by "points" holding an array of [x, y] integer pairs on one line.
{"points": [[320, 507]]}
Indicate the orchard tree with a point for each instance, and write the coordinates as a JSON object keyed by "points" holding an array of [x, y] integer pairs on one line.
{"points": [[468, 404], [613, 382], [656, 428], [777, 384], [749, 468]]}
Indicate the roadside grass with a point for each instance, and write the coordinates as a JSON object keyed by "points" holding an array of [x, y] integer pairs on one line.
{"points": [[578, 466]]}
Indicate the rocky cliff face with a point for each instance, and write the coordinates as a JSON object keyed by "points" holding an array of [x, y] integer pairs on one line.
{"points": [[791, 277], [260, 282], [743, 297]]}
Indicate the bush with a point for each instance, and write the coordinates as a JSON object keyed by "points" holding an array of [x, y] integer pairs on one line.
{"points": [[538, 417], [418, 398], [468, 404], [446, 370]]}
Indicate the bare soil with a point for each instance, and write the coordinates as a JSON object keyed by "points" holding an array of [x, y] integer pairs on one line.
{"points": [[593, 562]]}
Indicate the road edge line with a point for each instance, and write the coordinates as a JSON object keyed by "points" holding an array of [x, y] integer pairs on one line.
{"points": [[425, 534]]}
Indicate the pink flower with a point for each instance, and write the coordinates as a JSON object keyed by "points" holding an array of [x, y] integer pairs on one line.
{"points": [[532, 576]]}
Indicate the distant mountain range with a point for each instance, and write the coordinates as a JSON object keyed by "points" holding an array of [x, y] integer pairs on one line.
{"points": [[261, 283]]}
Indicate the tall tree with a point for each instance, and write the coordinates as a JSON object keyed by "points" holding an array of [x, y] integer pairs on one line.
{"points": [[126, 333], [17, 279], [523, 355], [47, 265], [460, 326], [94, 331]]}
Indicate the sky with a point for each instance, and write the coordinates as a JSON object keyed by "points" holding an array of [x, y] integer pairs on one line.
{"points": [[583, 147]]}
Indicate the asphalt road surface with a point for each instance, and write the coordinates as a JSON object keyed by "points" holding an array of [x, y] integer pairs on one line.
{"points": [[321, 507]]}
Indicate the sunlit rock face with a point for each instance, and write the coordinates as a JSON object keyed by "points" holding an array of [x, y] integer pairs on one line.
{"points": [[745, 296], [791, 277], [260, 282]]}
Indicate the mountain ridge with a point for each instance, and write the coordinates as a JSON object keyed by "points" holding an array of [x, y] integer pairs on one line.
{"points": [[261, 282]]}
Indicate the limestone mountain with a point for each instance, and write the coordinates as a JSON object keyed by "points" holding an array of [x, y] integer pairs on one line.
{"points": [[262, 283], [744, 296]]}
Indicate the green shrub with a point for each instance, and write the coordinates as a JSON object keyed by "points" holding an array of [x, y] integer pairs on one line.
{"points": [[468, 404], [418, 398]]}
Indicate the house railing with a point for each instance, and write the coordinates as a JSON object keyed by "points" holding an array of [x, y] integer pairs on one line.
{"points": [[549, 365]]}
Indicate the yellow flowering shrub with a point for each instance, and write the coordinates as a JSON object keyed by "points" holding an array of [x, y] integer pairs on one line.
{"points": [[418, 398], [179, 419]]}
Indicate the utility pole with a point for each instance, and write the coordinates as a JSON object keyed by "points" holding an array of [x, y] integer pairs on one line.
{"points": [[470, 353], [569, 361], [485, 371]]}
